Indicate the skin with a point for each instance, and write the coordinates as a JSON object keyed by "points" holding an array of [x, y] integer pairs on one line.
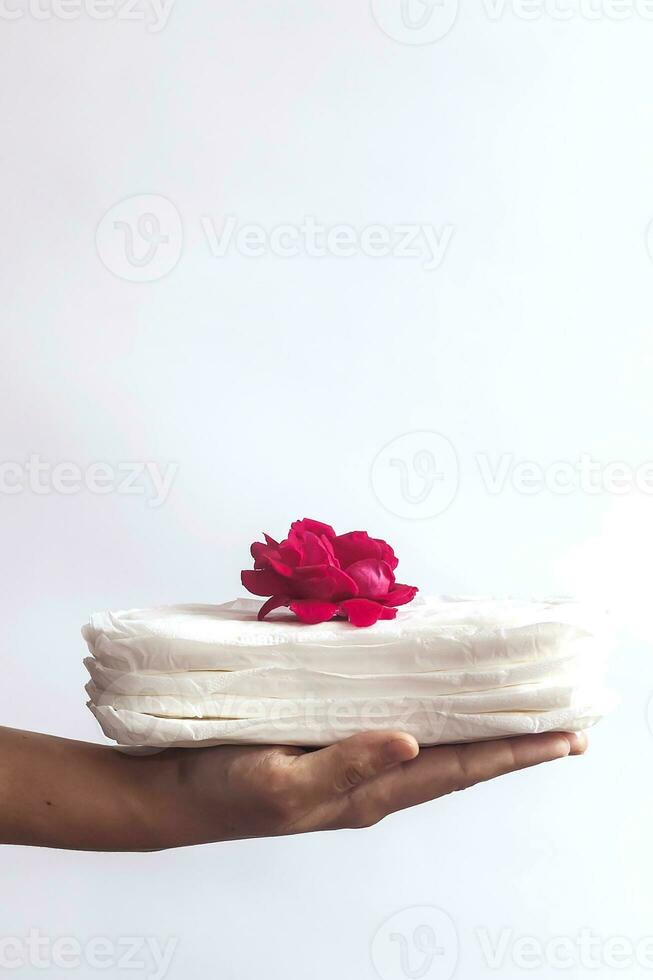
{"points": [[60, 793]]}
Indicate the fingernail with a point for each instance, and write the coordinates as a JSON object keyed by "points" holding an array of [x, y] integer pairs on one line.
{"points": [[578, 742], [400, 750], [562, 747]]}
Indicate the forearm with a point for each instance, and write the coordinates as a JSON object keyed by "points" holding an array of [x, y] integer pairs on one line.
{"points": [[55, 792]]}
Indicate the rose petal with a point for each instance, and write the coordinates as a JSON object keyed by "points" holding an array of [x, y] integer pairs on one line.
{"points": [[357, 545], [290, 554], [365, 612], [315, 527], [374, 578], [263, 582], [273, 603], [352, 547], [328, 547], [279, 566], [312, 611], [313, 551], [260, 553], [323, 582], [399, 595], [387, 553]]}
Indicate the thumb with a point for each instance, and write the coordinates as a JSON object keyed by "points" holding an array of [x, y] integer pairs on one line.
{"points": [[345, 765]]}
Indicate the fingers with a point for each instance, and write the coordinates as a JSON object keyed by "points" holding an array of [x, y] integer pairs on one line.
{"points": [[477, 762], [345, 765], [578, 742], [360, 780], [447, 768]]}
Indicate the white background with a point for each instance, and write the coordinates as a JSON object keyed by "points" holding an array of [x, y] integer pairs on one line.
{"points": [[273, 383]]}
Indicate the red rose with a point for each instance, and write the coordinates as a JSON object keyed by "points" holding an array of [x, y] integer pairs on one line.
{"points": [[320, 574]]}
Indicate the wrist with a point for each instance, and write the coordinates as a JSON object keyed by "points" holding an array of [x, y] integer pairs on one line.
{"points": [[170, 811], [151, 805]]}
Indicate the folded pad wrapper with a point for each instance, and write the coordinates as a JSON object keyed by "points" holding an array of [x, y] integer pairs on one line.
{"points": [[447, 669]]}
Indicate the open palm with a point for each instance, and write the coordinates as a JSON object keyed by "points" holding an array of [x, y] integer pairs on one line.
{"points": [[234, 792]]}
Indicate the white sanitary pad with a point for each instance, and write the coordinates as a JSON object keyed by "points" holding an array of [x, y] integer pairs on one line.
{"points": [[446, 670]]}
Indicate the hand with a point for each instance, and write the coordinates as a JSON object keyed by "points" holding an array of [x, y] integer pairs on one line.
{"points": [[229, 792]]}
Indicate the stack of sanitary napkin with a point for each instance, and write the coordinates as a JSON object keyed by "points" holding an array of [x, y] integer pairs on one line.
{"points": [[446, 670]]}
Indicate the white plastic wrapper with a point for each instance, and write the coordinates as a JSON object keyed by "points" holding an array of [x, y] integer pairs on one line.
{"points": [[446, 670]]}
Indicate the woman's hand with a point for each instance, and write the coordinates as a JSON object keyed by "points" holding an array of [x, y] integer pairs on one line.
{"points": [[235, 792], [59, 793]]}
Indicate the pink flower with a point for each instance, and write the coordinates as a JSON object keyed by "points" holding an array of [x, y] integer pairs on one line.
{"points": [[319, 574]]}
